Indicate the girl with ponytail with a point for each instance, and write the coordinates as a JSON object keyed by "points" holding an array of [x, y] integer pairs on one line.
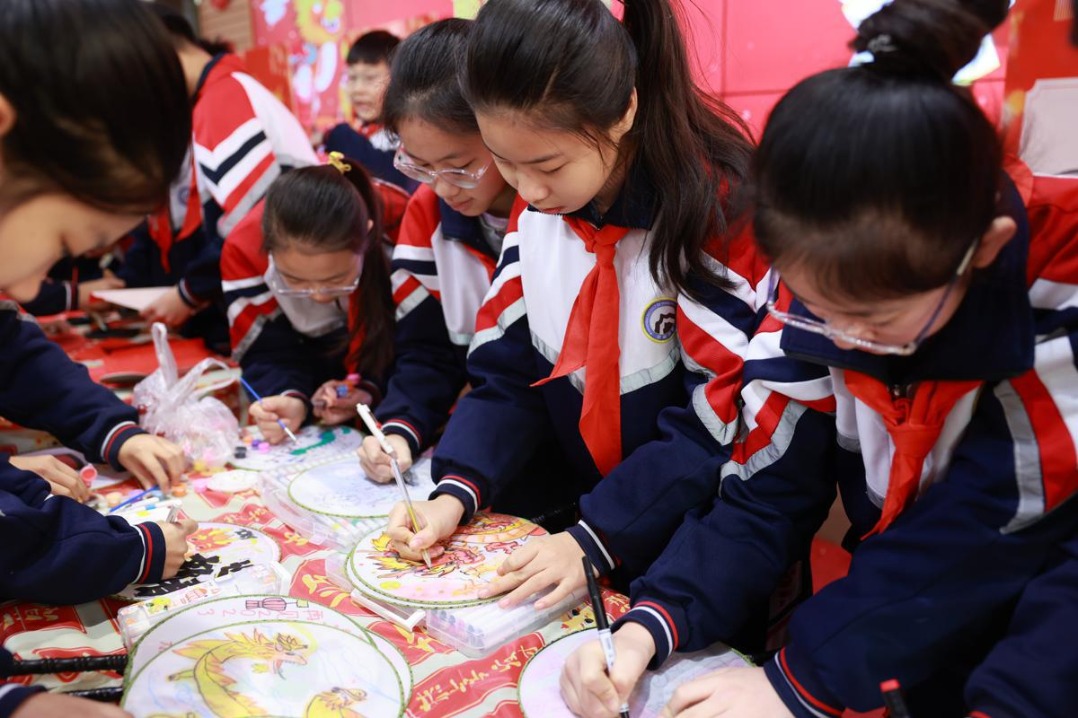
{"points": [[306, 282], [623, 291], [943, 310]]}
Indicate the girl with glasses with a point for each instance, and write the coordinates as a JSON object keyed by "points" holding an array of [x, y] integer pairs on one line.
{"points": [[623, 290], [943, 311], [306, 283], [449, 241]]}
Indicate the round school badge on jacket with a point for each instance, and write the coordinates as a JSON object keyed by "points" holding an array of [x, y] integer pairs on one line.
{"points": [[660, 320]]}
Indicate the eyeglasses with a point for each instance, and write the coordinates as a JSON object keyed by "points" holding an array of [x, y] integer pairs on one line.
{"points": [[456, 177], [817, 326], [280, 287]]}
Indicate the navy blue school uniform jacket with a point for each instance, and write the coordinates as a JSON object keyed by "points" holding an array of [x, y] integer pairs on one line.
{"points": [[42, 388], [442, 266], [56, 550], [60, 289], [934, 592], [503, 421], [59, 551]]}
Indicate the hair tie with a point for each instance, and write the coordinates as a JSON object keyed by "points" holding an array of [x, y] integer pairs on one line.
{"points": [[881, 44], [337, 160]]}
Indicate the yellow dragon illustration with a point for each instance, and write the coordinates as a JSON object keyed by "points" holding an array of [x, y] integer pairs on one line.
{"points": [[335, 703], [215, 686]]}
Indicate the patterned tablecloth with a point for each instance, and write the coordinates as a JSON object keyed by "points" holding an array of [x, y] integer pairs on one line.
{"points": [[447, 683]]}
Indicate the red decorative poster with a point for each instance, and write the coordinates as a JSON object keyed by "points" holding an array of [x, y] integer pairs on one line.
{"points": [[316, 34], [1042, 85]]}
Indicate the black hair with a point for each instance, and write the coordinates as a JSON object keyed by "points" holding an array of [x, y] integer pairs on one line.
{"points": [[324, 208], [423, 81], [373, 48], [879, 177], [101, 109], [571, 66], [1074, 22], [182, 32]]}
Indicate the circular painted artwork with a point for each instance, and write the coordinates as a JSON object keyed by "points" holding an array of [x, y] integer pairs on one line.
{"points": [[471, 558], [217, 551], [315, 442], [540, 692], [185, 622], [267, 668], [340, 488]]}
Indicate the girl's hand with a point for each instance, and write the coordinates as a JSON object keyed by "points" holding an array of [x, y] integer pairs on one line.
{"points": [[585, 685], [438, 518], [265, 413], [168, 308], [87, 289], [63, 480], [153, 460], [375, 462], [332, 409], [176, 544], [542, 562], [732, 692]]}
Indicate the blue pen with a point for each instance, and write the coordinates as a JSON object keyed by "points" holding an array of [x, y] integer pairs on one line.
{"points": [[137, 497], [259, 400]]}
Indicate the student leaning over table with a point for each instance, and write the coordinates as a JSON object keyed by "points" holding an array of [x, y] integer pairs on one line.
{"points": [[944, 311], [82, 158]]}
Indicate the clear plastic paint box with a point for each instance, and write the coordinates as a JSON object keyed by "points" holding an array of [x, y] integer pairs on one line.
{"points": [[260, 578], [476, 631]]}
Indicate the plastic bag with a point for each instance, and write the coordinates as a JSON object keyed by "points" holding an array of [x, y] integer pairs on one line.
{"points": [[178, 410]]}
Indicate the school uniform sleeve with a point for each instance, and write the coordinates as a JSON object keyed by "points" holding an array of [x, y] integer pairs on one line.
{"points": [[1031, 672], [234, 157], [979, 536], [201, 282], [630, 515], [142, 260], [498, 425], [13, 695], [728, 556], [428, 373], [271, 353], [59, 551], [42, 388], [54, 297]]}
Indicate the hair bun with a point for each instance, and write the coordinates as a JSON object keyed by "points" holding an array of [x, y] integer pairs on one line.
{"points": [[934, 38]]}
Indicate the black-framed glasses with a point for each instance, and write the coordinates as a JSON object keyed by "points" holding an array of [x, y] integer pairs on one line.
{"points": [[818, 326]]}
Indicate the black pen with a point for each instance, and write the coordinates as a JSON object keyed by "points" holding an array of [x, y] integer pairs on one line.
{"points": [[892, 699], [602, 623]]}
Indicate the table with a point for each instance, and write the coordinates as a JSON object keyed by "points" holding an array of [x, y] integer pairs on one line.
{"points": [[447, 683]]}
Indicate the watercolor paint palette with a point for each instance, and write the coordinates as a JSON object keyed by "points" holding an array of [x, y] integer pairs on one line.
{"points": [[315, 444]]}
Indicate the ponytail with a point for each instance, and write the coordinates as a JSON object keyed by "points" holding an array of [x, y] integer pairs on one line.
{"points": [[571, 66], [333, 208], [697, 156]]}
